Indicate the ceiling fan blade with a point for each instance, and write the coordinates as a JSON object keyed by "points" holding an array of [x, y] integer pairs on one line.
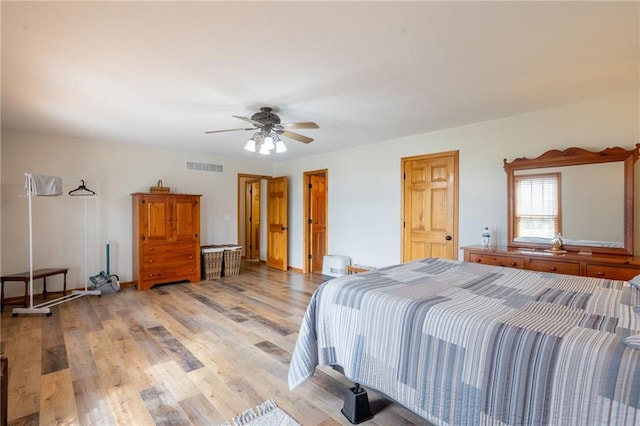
{"points": [[300, 125], [248, 120], [295, 136], [229, 130]]}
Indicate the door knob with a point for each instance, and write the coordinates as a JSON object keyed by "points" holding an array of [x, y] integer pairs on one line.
{"points": [[448, 238]]}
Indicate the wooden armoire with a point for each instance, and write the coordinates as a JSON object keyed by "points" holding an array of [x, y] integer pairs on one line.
{"points": [[166, 238]]}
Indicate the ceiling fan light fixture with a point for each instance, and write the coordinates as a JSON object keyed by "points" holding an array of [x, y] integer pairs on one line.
{"points": [[251, 145], [264, 150], [268, 142], [280, 147]]}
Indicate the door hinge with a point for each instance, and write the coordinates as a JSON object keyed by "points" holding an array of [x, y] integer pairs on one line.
{"points": [[250, 218], [310, 221], [310, 186], [310, 256]]}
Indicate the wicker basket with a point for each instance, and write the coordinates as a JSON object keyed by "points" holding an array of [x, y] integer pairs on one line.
{"points": [[231, 265], [160, 188], [212, 263]]}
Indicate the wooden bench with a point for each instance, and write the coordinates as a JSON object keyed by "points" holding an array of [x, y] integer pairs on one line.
{"points": [[356, 269], [37, 274]]}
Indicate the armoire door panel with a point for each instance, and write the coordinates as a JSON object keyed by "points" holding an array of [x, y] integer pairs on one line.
{"points": [[187, 212], [156, 219]]}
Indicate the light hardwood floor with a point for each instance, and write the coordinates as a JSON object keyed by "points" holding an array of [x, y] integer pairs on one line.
{"points": [[177, 354]]}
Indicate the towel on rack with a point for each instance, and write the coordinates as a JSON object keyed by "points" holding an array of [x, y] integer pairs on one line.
{"points": [[44, 185]]}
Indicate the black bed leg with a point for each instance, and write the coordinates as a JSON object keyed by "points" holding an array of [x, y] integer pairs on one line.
{"points": [[356, 405]]}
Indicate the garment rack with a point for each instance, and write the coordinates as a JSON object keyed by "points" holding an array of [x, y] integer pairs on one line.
{"points": [[45, 307]]}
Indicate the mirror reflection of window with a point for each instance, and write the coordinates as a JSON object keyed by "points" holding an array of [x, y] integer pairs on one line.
{"points": [[537, 205]]}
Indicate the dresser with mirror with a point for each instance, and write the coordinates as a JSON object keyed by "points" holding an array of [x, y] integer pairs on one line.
{"points": [[581, 200]]}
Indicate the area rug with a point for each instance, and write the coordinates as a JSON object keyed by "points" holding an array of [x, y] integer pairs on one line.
{"points": [[266, 414]]}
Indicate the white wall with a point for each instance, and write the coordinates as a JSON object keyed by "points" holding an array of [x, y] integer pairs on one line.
{"points": [[365, 188], [114, 171]]}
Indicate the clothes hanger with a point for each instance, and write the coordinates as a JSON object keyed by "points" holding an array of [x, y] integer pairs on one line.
{"points": [[81, 191]]}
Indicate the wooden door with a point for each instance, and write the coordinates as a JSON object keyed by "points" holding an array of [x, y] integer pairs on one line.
{"points": [[430, 206], [186, 218], [252, 220], [317, 221], [277, 223], [155, 218]]}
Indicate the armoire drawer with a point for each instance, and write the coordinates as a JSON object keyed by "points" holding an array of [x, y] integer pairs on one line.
{"points": [[172, 258], [168, 248], [174, 272]]}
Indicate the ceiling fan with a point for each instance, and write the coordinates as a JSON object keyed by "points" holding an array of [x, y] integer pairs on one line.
{"points": [[269, 129]]}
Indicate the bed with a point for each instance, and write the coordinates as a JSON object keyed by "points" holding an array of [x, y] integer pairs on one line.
{"points": [[466, 344]]}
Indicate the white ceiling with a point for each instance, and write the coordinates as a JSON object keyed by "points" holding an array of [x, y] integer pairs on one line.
{"points": [[161, 73]]}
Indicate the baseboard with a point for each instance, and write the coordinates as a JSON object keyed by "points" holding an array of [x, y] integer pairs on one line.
{"points": [[8, 300]]}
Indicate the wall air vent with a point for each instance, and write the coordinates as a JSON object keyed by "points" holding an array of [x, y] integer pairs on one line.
{"points": [[204, 167]]}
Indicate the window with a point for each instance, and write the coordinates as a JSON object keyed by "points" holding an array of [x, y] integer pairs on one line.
{"points": [[537, 205]]}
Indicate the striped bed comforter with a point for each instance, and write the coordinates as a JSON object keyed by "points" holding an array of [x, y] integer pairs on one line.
{"points": [[466, 344]]}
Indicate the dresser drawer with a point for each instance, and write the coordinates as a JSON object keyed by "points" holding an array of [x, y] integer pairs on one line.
{"points": [[612, 272], [488, 259], [168, 248], [555, 266]]}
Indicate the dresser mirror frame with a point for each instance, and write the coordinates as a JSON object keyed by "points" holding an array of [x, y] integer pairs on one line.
{"points": [[574, 157]]}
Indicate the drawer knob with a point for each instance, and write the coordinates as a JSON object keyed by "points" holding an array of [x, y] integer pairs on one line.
{"points": [[478, 260], [600, 274], [553, 268], [513, 263]]}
